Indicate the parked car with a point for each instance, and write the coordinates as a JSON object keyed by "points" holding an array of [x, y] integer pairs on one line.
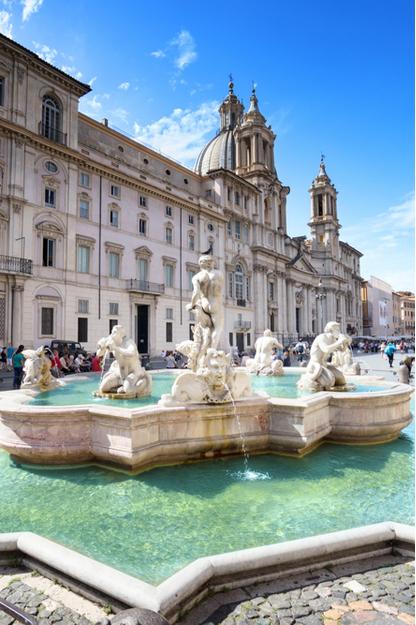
{"points": [[73, 347]]}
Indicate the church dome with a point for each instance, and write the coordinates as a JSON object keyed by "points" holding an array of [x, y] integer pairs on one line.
{"points": [[219, 153]]}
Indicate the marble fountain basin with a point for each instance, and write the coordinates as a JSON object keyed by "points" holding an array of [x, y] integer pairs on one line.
{"points": [[139, 435]]}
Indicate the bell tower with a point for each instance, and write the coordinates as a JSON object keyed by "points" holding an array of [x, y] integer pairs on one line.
{"points": [[324, 222], [231, 109]]}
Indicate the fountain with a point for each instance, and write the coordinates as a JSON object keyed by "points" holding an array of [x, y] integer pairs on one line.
{"points": [[210, 379], [126, 378], [262, 363]]}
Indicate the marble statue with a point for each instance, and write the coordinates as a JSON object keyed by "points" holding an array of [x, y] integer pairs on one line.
{"points": [[37, 370], [125, 377], [210, 377], [262, 363], [320, 375], [343, 358]]}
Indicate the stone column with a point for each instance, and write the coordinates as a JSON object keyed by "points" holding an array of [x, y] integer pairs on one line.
{"points": [[291, 314], [238, 153], [253, 150]]}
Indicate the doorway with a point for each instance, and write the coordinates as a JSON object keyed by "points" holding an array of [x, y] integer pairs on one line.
{"points": [[240, 341], [142, 331]]}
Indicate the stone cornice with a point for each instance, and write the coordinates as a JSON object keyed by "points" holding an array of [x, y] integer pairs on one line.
{"points": [[80, 160]]}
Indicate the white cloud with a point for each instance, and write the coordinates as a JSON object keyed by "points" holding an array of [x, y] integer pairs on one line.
{"points": [[30, 7], [183, 133], [45, 52], [186, 49], [6, 27], [158, 54], [92, 81], [120, 114], [93, 104], [386, 241], [124, 86], [72, 71]]}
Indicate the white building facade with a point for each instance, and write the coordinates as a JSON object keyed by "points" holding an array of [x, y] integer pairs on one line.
{"points": [[97, 229]]}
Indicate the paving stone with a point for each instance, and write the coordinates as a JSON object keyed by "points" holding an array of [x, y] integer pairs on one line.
{"points": [[409, 619], [383, 607], [355, 586], [369, 617], [300, 610], [360, 605]]}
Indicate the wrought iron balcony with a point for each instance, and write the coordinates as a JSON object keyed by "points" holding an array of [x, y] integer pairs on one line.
{"points": [[12, 264], [242, 325], [241, 302], [52, 133], [143, 286]]}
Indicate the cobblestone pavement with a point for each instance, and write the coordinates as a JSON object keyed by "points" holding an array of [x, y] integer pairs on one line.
{"points": [[47, 601], [380, 593]]}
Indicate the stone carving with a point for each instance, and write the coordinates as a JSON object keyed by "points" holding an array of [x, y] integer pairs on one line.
{"points": [[299, 297], [37, 370], [343, 359], [321, 375], [211, 378], [262, 363], [126, 378]]}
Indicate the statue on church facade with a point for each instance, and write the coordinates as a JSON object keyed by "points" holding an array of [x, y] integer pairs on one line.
{"points": [[320, 375]]}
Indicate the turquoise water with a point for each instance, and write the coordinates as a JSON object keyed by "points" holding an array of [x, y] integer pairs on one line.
{"points": [[150, 525], [77, 392]]}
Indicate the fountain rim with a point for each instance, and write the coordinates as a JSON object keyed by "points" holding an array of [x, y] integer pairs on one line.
{"points": [[209, 574], [17, 400]]}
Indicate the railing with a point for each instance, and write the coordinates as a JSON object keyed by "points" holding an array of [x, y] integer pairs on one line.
{"points": [[12, 264], [241, 302], [52, 133], [143, 286], [242, 325]]}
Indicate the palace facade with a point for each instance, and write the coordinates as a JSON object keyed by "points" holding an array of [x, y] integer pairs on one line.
{"points": [[97, 229]]}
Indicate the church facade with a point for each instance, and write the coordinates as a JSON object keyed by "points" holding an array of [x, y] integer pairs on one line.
{"points": [[97, 229]]}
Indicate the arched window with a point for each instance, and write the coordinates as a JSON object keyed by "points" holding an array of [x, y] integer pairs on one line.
{"points": [[239, 282], [51, 119]]}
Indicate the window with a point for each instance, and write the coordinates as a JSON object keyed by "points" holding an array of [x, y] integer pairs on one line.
{"points": [[230, 338], [169, 313], [190, 276], [229, 229], [237, 198], [51, 167], [83, 259], [320, 205], [142, 226], [191, 241], [239, 282], [114, 265], [84, 209], [169, 276], [112, 323], [48, 252], [51, 119], [229, 199], [143, 201], [83, 306], [1, 91], [210, 227], [50, 197], [169, 332], [191, 219], [168, 211], [238, 230], [248, 339], [82, 329], [168, 235], [271, 290], [84, 179], [113, 307], [114, 218], [47, 321], [115, 190], [230, 285], [143, 267], [246, 202]]}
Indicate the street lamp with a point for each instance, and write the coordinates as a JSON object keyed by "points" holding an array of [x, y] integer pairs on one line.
{"points": [[320, 296]]}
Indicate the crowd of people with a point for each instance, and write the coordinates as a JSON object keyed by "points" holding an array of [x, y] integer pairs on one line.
{"points": [[66, 363], [62, 363]]}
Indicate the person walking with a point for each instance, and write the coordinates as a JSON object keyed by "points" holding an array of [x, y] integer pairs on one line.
{"points": [[3, 359], [18, 360], [389, 352], [10, 352]]}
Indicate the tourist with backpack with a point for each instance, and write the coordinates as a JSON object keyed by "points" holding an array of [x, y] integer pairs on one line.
{"points": [[389, 352]]}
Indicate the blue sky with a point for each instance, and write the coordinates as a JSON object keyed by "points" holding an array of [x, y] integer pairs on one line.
{"points": [[331, 77]]}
